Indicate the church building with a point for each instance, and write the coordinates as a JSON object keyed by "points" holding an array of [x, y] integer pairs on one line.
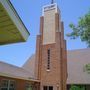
{"points": [[52, 67], [51, 63]]}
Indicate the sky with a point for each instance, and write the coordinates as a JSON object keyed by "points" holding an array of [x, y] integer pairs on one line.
{"points": [[30, 12]]}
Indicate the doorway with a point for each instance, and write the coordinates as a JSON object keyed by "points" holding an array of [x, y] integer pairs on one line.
{"points": [[48, 88]]}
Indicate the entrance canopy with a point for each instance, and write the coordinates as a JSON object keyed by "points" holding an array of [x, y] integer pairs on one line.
{"points": [[12, 29]]}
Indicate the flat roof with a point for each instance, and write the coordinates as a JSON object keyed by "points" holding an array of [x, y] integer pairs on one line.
{"points": [[12, 29]]}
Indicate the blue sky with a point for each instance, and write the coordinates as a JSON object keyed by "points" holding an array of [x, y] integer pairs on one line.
{"points": [[30, 12]]}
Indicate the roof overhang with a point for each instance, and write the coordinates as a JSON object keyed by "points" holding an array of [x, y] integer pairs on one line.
{"points": [[18, 77], [12, 29]]}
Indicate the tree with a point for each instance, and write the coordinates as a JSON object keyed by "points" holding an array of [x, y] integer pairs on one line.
{"points": [[82, 29]]}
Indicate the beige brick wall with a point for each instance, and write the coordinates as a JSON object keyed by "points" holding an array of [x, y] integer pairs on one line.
{"points": [[49, 27]]}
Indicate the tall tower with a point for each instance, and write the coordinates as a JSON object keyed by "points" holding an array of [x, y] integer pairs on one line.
{"points": [[51, 59]]}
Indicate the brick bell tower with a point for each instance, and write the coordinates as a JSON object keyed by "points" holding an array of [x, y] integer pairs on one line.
{"points": [[51, 57]]}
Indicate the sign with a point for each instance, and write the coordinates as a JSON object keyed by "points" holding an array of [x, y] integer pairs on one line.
{"points": [[50, 7]]}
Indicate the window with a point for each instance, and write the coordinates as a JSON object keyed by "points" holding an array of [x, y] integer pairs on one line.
{"points": [[29, 86], [12, 85], [7, 85], [48, 59], [4, 85]]}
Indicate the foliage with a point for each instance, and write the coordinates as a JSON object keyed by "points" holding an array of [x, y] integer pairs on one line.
{"points": [[75, 87], [82, 29]]}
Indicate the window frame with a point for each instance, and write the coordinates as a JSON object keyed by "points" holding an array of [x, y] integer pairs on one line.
{"points": [[8, 84]]}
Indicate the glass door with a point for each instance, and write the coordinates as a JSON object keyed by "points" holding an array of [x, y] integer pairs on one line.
{"points": [[48, 88]]}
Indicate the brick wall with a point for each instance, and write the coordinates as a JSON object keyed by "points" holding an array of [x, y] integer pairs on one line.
{"points": [[57, 74]]}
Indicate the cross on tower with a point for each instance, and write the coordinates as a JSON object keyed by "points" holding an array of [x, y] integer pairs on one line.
{"points": [[52, 1]]}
